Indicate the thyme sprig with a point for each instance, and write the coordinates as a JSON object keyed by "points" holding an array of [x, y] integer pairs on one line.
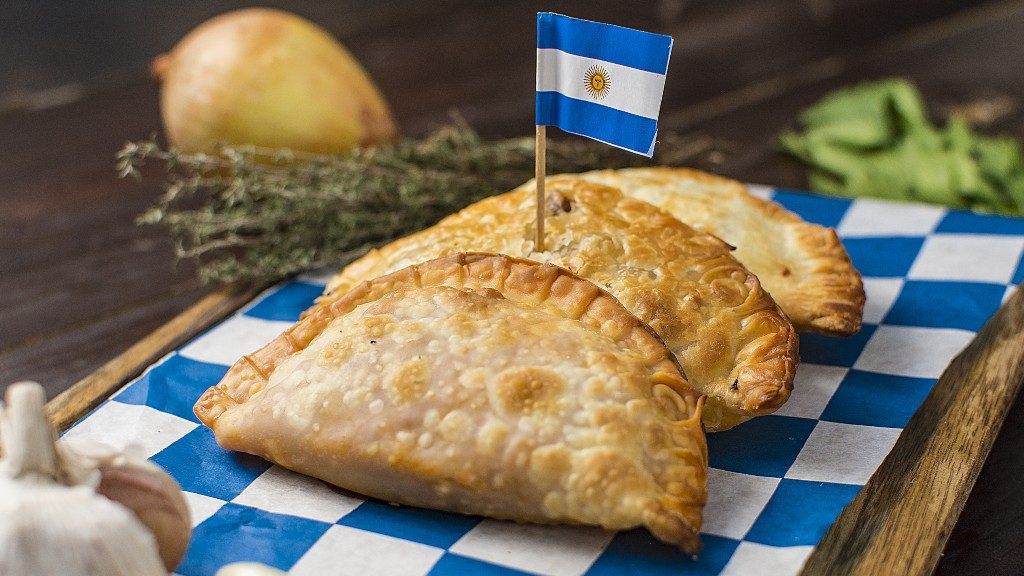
{"points": [[256, 214]]}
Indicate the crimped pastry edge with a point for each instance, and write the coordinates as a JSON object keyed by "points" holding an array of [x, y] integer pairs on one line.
{"points": [[764, 376], [838, 298], [250, 373]]}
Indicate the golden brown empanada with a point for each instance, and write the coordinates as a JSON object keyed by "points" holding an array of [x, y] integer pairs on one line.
{"points": [[733, 341], [802, 265], [479, 384]]}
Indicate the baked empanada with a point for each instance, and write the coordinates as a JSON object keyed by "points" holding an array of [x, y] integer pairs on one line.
{"points": [[732, 340], [479, 384], [802, 265]]}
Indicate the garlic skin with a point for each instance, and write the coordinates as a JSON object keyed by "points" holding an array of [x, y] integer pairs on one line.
{"points": [[271, 79], [48, 525], [150, 493], [73, 532]]}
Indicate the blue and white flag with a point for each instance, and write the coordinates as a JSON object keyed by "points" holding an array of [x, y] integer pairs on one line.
{"points": [[601, 81]]}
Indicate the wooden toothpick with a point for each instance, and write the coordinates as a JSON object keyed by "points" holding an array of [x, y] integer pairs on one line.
{"points": [[539, 175]]}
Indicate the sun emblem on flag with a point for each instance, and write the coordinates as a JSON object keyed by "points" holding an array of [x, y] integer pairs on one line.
{"points": [[597, 82]]}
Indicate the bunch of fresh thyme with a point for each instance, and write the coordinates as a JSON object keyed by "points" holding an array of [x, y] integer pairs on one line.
{"points": [[251, 214]]}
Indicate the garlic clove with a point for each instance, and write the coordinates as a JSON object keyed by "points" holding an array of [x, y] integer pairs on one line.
{"points": [[144, 488], [157, 502], [248, 569]]}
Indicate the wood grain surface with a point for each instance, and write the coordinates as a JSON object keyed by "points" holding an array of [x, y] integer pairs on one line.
{"points": [[71, 404], [80, 283], [900, 521]]}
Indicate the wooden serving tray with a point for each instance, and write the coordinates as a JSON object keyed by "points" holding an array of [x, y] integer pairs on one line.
{"points": [[897, 524]]}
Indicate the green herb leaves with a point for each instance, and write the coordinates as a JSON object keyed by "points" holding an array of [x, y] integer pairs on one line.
{"points": [[876, 140]]}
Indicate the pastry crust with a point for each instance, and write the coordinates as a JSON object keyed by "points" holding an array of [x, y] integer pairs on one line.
{"points": [[479, 384], [733, 341], [802, 265]]}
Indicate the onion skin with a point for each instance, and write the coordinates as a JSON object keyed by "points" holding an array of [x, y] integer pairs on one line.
{"points": [[268, 78]]}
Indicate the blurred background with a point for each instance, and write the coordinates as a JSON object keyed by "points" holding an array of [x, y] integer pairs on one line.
{"points": [[54, 53]]}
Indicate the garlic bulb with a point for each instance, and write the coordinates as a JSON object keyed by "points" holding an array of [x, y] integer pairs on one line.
{"points": [[272, 79], [71, 531], [48, 526]]}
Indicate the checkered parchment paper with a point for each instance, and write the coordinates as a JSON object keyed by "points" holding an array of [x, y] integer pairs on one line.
{"points": [[775, 484]]}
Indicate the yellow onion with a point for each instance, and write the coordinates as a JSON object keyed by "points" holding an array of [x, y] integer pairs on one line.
{"points": [[268, 78]]}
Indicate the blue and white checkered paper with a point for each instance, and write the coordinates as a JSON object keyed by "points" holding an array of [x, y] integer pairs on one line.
{"points": [[775, 485]]}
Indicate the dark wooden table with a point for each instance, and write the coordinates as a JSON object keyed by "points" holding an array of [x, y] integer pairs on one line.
{"points": [[79, 282]]}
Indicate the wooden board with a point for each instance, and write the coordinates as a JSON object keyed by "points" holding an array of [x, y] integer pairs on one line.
{"points": [[901, 519], [897, 524]]}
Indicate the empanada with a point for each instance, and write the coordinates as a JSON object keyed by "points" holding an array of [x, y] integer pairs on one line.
{"points": [[802, 265], [732, 340], [479, 384]]}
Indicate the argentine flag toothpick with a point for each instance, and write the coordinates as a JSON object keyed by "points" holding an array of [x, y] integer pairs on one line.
{"points": [[601, 81]]}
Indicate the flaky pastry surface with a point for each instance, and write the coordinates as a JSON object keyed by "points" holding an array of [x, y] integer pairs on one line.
{"points": [[802, 265], [732, 340], [484, 385]]}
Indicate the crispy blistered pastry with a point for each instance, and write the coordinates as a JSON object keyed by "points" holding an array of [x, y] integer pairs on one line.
{"points": [[479, 384], [802, 265], [733, 341]]}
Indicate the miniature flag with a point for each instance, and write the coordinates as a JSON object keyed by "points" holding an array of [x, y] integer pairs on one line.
{"points": [[601, 81]]}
